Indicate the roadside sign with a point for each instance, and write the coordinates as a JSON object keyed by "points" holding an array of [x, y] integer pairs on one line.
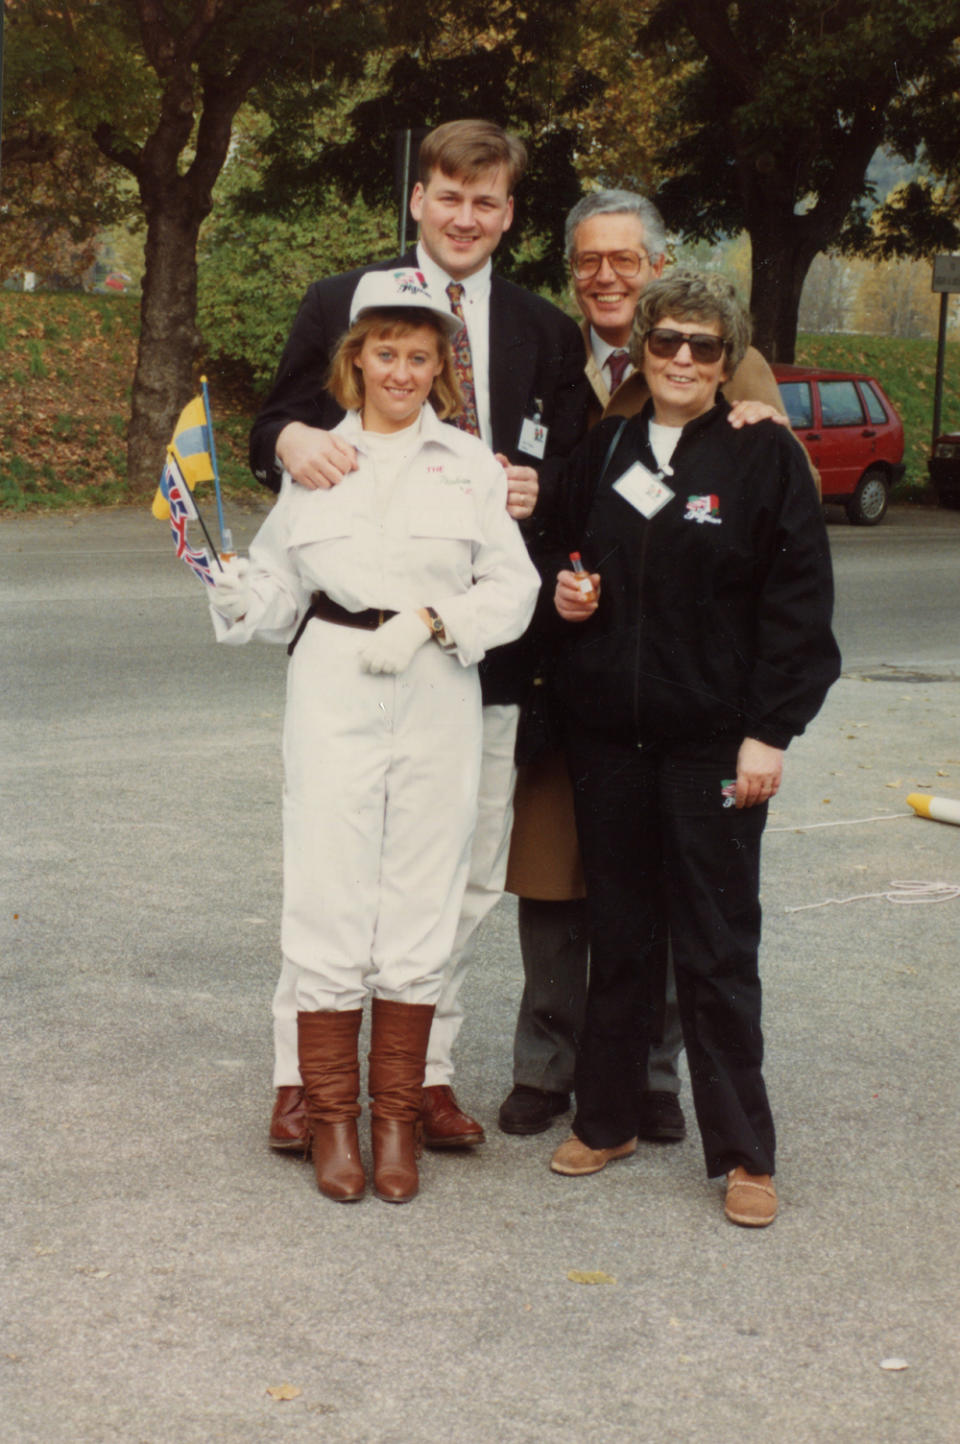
{"points": [[946, 273]]}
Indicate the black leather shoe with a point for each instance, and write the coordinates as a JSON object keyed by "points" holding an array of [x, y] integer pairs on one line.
{"points": [[530, 1110], [660, 1118]]}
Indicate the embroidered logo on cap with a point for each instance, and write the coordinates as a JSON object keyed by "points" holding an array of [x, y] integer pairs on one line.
{"points": [[411, 283]]}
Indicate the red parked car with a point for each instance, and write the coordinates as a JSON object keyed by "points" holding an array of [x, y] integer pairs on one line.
{"points": [[852, 431]]}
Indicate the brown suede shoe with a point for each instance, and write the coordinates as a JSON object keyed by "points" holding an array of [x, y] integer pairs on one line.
{"points": [[751, 1198], [574, 1157], [288, 1125], [445, 1125]]}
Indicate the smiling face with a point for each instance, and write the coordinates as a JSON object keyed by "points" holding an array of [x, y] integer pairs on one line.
{"points": [[398, 372], [681, 387], [608, 300], [461, 221]]}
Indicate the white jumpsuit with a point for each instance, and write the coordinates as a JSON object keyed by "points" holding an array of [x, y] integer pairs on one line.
{"points": [[381, 772]]}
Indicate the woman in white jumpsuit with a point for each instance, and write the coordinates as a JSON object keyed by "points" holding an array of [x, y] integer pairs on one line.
{"points": [[391, 587]]}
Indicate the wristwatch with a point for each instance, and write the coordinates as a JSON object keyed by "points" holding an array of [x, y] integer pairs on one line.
{"points": [[439, 631]]}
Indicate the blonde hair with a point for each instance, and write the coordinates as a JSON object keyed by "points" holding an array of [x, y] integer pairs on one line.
{"points": [[345, 382]]}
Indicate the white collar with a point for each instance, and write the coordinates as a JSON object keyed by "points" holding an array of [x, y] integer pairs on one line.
{"points": [[602, 350], [432, 429], [474, 287]]}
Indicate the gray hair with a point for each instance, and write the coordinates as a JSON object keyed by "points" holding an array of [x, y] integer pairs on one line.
{"points": [[619, 203], [688, 295]]}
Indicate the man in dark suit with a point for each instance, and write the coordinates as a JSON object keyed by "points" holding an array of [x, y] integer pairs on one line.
{"points": [[526, 396]]}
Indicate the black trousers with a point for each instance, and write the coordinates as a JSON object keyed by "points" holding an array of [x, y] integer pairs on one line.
{"points": [[658, 830]]}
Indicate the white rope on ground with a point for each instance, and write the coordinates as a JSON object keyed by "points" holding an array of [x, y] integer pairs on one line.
{"points": [[845, 822], [899, 892]]}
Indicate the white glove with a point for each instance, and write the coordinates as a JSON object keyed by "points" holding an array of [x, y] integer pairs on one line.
{"points": [[230, 594], [391, 647]]}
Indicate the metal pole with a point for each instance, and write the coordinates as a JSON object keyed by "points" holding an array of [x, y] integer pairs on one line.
{"points": [[404, 192], [941, 352]]}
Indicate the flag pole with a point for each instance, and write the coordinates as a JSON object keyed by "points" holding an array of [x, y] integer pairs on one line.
{"points": [[203, 525], [226, 536]]}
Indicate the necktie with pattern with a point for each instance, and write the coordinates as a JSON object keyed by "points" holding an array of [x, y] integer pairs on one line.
{"points": [[617, 363], [463, 365]]}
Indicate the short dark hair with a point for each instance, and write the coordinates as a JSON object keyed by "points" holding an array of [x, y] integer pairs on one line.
{"points": [[469, 147]]}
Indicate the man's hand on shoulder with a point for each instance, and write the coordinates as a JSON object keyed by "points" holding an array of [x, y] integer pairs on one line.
{"points": [[523, 488], [748, 413], [315, 458]]}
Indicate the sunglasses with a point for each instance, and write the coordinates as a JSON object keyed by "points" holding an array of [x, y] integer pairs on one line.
{"points": [[666, 343], [585, 264]]}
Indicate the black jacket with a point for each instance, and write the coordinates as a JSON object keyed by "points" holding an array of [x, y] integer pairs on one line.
{"points": [[706, 629], [536, 365]]}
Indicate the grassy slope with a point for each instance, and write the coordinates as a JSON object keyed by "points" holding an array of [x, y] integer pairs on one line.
{"points": [[66, 363]]}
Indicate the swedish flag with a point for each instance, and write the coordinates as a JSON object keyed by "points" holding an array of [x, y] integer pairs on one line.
{"points": [[191, 447]]}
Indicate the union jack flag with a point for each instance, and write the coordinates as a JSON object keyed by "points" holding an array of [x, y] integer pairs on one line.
{"points": [[183, 508]]}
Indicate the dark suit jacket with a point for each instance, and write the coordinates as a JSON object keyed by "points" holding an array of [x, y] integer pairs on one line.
{"points": [[536, 365]]}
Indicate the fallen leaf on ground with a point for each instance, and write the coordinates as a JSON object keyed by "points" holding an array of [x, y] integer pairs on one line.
{"points": [[284, 1391], [580, 1276]]}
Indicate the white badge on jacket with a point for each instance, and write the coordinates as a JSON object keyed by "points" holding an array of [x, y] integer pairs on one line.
{"points": [[533, 437], [643, 490]]}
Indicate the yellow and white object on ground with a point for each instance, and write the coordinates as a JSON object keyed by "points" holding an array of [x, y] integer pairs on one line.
{"points": [[941, 809]]}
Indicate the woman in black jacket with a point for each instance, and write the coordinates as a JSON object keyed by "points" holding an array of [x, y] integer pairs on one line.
{"points": [[708, 650]]}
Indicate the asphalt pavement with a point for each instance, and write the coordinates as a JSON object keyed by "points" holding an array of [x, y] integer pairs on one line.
{"points": [[166, 1278]]}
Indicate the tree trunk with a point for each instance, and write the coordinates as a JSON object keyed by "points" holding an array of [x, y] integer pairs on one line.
{"points": [[779, 267], [164, 377]]}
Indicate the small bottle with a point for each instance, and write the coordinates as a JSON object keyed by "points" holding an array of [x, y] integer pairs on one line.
{"points": [[587, 592], [227, 551]]}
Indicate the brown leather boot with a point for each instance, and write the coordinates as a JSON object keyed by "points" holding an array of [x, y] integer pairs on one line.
{"points": [[398, 1051], [289, 1130], [327, 1044]]}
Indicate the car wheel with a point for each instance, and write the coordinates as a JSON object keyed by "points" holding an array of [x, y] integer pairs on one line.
{"points": [[868, 505], [950, 500]]}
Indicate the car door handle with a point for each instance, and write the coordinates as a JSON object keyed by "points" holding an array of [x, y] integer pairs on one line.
{"points": [[812, 436], [867, 432]]}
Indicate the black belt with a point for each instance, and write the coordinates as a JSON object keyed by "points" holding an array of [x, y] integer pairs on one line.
{"points": [[328, 610]]}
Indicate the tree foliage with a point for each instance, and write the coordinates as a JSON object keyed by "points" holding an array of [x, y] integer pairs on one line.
{"points": [[771, 115], [542, 70], [58, 190], [154, 86], [255, 261]]}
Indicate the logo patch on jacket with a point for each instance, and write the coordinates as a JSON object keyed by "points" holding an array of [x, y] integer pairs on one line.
{"points": [[703, 508]]}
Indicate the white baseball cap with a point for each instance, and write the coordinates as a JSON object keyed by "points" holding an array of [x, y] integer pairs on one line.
{"points": [[404, 287]]}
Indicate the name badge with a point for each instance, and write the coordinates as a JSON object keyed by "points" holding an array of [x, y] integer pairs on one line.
{"points": [[644, 491], [533, 437]]}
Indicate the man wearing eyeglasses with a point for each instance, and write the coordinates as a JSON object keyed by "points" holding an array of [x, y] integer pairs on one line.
{"points": [[616, 245]]}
